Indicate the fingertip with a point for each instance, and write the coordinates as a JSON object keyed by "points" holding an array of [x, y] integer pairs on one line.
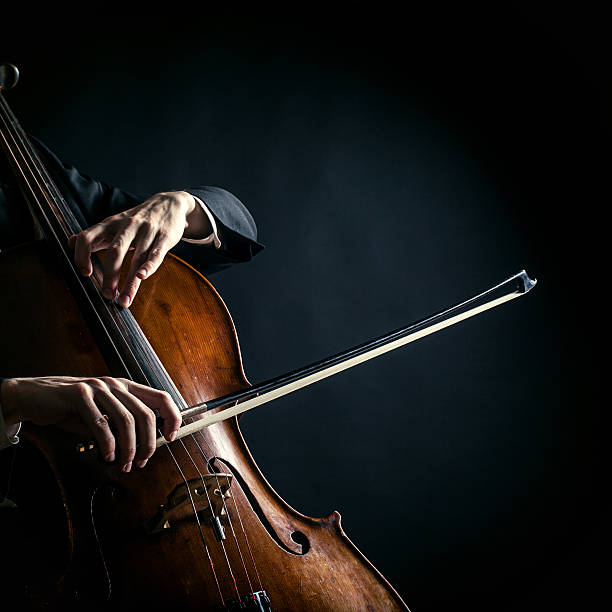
{"points": [[142, 273]]}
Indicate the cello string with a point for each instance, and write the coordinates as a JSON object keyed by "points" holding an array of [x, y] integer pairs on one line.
{"points": [[201, 435], [112, 310], [66, 211], [40, 168], [25, 177], [209, 463], [15, 136], [35, 164], [53, 234], [35, 161], [229, 566], [195, 513]]}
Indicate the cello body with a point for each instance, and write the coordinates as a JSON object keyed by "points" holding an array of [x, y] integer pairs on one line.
{"points": [[116, 540]]}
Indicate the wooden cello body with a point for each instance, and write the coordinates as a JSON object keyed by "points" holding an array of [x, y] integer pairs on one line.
{"points": [[146, 538]]}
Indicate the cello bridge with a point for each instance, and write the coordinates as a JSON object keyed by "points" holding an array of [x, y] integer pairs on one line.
{"points": [[207, 494]]}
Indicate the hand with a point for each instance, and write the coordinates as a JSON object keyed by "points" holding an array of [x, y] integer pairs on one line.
{"points": [[91, 406], [150, 229]]}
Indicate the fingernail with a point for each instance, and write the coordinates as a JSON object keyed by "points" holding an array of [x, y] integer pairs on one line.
{"points": [[127, 467], [172, 436], [124, 300], [110, 456], [142, 272], [140, 464], [84, 271]]}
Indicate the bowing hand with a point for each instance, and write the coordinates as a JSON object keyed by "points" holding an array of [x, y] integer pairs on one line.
{"points": [[119, 413]]}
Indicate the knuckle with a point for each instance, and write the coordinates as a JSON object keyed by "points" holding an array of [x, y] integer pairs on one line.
{"points": [[149, 417], [132, 285], [165, 396], [101, 423], [126, 419], [96, 384], [81, 389], [130, 451]]}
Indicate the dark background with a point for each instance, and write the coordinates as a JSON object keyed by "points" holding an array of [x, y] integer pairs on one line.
{"points": [[394, 166]]}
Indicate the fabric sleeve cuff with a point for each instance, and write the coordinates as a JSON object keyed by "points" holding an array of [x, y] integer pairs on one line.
{"points": [[213, 237]]}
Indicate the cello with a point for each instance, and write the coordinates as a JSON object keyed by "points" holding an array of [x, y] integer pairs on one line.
{"points": [[200, 528]]}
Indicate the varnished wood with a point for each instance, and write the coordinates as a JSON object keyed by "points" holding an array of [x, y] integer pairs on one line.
{"points": [[191, 331]]}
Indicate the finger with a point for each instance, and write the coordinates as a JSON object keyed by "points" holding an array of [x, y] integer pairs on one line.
{"points": [[124, 423], [84, 243], [146, 425], [146, 235], [97, 424], [162, 403], [156, 255], [128, 291], [116, 254]]}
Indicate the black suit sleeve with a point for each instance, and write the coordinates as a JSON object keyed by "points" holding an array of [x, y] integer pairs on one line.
{"points": [[92, 201]]}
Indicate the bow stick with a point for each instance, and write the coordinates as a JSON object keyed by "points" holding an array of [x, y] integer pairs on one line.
{"points": [[231, 405]]}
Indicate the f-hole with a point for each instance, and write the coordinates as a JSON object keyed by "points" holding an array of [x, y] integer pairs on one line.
{"points": [[299, 538], [212, 468]]}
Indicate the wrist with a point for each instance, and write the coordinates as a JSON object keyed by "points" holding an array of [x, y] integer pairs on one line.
{"points": [[186, 202], [197, 222]]}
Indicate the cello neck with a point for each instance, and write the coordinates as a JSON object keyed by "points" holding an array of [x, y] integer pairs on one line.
{"points": [[48, 207]]}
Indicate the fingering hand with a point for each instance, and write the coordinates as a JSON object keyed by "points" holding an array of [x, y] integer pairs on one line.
{"points": [[150, 229]]}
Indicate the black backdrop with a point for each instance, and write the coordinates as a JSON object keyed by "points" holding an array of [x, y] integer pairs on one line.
{"points": [[394, 166]]}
